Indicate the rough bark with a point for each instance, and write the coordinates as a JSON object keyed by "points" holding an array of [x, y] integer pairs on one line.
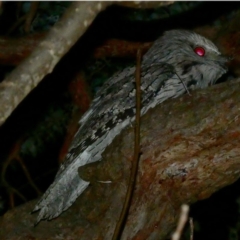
{"points": [[190, 149]]}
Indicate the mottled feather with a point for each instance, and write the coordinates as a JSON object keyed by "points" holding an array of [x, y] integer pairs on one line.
{"points": [[169, 63]]}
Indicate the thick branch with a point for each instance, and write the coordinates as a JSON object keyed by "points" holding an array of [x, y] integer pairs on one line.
{"points": [[15, 50], [190, 149], [42, 61]]}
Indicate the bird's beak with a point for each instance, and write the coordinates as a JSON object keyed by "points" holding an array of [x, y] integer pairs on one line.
{"points": [[224, 61]]}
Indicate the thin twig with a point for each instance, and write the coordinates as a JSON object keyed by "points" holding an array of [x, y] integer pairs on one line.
{"points": [[28, 176], [123, 217], [30, 16], [191, 228], [12, 190], [16, 24], [181, 222], [6, 184]]}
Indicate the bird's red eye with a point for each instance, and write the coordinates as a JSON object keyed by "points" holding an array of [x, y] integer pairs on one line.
{"points": [[199, 51]]}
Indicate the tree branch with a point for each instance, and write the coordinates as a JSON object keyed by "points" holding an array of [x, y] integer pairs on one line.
{"points": [[15, 50], [190, 149], [44, 58]]}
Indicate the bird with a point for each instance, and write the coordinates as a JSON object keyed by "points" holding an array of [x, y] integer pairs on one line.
{"points": [[178, 61]]}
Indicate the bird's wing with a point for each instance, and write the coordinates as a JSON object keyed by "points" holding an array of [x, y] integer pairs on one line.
{"points": [[112, 109]]}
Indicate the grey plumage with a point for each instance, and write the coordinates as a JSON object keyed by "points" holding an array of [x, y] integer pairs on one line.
{"points": [[171, 61]]}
